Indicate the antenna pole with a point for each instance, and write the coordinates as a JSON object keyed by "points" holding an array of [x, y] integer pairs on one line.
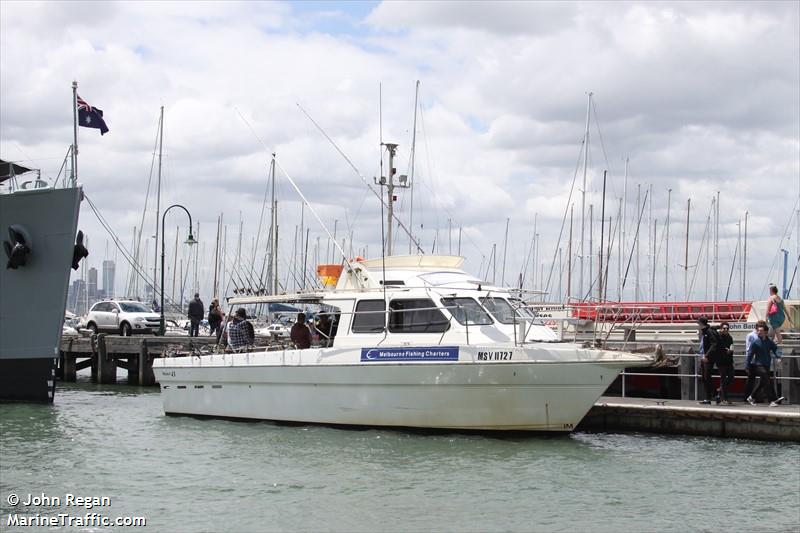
{"points": [[390, 186]]}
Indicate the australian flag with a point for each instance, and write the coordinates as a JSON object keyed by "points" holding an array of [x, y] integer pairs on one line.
{"points": [[91, 117]]}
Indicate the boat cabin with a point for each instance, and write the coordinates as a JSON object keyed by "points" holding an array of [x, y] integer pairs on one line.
{"points": [[412, 300]]}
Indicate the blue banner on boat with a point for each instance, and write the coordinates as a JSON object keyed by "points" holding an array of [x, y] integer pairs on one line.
{"points": [[416, 353]]}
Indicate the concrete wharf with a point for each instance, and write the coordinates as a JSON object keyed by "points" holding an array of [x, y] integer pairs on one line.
{"points": [[684, 417]]}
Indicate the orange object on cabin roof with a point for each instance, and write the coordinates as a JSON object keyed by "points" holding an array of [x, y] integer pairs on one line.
{"points": [[329, 274]]}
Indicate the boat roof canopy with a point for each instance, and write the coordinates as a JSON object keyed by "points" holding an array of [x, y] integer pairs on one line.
{"points": [[304, 297], [415, 261]]}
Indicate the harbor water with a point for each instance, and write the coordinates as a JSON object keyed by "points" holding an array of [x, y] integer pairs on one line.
{"points": [[114, 446]]}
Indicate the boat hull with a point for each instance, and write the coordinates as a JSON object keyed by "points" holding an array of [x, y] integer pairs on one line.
{"points": [[466, 395], [33, 296], [27, 380]]}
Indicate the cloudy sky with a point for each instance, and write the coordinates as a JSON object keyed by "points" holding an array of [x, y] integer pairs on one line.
{"points": [[700, 98]]}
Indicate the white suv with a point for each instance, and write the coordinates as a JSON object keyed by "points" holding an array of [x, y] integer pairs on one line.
{"points": [[122, 316]]}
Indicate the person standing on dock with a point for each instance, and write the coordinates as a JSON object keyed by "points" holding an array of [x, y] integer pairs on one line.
{"points": [[748, 341], [215, 317], [709, 341], [776, 313], [195, 314], [301, 335], [725, 363], [758, 359]]}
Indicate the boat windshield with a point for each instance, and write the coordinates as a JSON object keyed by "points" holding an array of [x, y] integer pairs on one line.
{"points": [[499, 308], [134, 307], [521, 308], [467, 309]]}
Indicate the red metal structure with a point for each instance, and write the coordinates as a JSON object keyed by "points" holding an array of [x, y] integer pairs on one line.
{"points": [[661, 312]]}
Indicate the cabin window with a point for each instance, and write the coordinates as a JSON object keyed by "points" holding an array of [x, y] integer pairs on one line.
{"points": [[499, 308], [369, 316], [467, 309], [418, 315]]}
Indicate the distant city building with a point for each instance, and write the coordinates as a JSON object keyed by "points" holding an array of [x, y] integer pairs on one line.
{"points": [[108, 279], [92, 288], [77, 297]]}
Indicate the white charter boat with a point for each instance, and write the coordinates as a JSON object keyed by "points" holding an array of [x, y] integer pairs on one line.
{"points": [[417, 342]]}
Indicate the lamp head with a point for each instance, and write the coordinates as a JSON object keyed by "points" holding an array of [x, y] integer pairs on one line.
{"points": [[190, 240]]}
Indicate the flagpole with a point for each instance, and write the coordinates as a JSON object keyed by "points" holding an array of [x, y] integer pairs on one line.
{"points": [[75, 133]]}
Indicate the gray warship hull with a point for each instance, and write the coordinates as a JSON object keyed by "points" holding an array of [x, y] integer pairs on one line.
{"points": [[33, 296]]}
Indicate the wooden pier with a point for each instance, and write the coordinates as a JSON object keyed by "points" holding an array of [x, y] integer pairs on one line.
{"points": [[106, 353], [683, 417]]}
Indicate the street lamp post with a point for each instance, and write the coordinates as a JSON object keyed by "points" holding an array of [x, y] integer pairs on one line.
{"points": [[189, 240]]}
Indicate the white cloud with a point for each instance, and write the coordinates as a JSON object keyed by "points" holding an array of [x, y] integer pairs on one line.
{"points": [[700, 97]]}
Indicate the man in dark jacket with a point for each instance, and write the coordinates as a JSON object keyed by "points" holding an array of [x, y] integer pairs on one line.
{"points": [[758, 359], [301, 335], [195, 314], [215, 316], [725, 363], [709, 341]]}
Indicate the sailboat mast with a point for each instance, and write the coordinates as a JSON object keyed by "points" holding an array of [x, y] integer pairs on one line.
{"points": [[744, 259], [686, 253], [739, 246], [216, 257], [505, 249], [450, 236], [305, 257], [651, 252], [666, 260], [411, 178], [273, 260], [636, 238], [591, 255], [583, 193], [620, 253], [623, 249], [158, 197], [602, 235], [716, 249], [653, 279], [196, 285], [569, 254]]}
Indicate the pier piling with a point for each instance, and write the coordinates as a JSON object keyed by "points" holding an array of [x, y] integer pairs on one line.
{"points": [[106, 367]]}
